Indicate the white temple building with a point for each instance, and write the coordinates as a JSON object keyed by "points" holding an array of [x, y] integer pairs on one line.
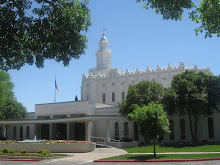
{"points": [[97, 114]]}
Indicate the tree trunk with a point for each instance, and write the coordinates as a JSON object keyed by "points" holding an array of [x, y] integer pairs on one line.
{"points": [[154, 150], [191, 129], [196, 128]]}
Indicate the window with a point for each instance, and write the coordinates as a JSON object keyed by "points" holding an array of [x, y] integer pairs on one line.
{"points": [[103, 97], [153, 80], [15, 133], [126, 131], [172, 136], [117, 131], [122, 83], [210, 127], [136, 135], [113, 97], [164, 78], [113, 84], [132, 82], [182, 129], [21, 132], [87, 96], [27, 132], [103, 85], [122, 95]]}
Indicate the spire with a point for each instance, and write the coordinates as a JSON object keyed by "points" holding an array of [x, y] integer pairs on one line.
{"points": [[76, 98], [103, 55], [103, 38]]}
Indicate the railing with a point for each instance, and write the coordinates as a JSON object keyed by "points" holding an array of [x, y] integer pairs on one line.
{"points": [[105, 141]]}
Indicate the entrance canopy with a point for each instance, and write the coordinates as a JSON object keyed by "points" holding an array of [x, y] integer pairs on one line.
{"points": [[61, 120]]}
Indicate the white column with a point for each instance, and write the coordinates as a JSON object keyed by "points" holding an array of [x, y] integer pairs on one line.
{"points": [[4, 130], [68, 131], [51, 131], [35, 131], [88, 129], [107, 128]]}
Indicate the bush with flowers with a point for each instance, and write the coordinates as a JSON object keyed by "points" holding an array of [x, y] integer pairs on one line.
{"points": [[48, 141]]}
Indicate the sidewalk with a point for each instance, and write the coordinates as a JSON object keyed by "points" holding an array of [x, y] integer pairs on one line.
{"points": [[98, 153]]}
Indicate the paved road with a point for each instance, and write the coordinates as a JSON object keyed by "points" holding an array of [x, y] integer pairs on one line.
{"points": [[98, 153], [69, 162]]}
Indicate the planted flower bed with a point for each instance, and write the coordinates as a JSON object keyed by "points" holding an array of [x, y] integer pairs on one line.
{"points": [[55, 146]]}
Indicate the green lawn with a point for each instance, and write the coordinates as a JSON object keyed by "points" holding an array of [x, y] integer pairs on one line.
{"points": [[162, 157], [175, 148]]}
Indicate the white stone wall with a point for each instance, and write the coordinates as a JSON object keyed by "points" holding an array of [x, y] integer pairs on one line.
{"points": [[95, 85]]}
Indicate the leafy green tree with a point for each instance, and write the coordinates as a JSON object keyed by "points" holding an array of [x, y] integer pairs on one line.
{"points": [[9, 107], [141, 94], [207, 13], [152, 121], [54, 29], [193, 94]]}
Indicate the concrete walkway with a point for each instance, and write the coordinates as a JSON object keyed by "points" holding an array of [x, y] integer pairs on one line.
{"points": [[98, 153]]}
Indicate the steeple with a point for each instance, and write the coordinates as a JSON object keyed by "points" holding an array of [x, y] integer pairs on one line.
{"points": [[103, 55]]}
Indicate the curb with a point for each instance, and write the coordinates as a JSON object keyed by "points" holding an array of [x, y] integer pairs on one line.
{"points": [[168, 160], [21, 160]]}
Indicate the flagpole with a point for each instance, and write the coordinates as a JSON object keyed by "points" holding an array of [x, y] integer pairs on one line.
{"points": [[55, 90]]}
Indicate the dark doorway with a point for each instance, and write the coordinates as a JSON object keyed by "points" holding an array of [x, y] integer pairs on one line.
{"points": [[79, 131], [61, 132], [45, 131]]}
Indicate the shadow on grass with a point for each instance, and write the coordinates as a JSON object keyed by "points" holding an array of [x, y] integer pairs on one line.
{"points": [[144, 157]]}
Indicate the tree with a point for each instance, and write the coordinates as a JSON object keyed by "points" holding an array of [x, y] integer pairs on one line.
{"points": [[54, 29], [207, 13], [9, 107], [152, 121], [141, 94], [193, 94]]}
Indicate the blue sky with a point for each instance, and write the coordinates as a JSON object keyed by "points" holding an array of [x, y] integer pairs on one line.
{"points": [[137, 38]]}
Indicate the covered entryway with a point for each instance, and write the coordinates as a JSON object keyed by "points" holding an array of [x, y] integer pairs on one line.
{"points": [[79, 131]]}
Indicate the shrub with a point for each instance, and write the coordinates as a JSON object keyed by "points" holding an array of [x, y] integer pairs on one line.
{"points": [[40, 151], [11, 151], [5, 150], [46, 152], [23, 151]]}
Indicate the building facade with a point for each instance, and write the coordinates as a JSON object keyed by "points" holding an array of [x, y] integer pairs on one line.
{"points": [[97, 114]]}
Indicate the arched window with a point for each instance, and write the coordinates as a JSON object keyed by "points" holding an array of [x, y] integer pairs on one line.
{"points": [[103, 97], [117, 131], [27, 132], [123, 96], [87, 96], [15, 133], [126, 130], [182, 129], [21, 132], [210, 127], [113, 97], [172, 136]]}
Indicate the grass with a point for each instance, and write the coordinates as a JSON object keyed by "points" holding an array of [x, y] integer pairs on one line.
{"points": [[163, 156], [176, 148]]}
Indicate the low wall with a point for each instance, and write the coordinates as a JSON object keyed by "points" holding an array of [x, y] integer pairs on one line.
{"points": [[52, 147], [124, 144]]}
